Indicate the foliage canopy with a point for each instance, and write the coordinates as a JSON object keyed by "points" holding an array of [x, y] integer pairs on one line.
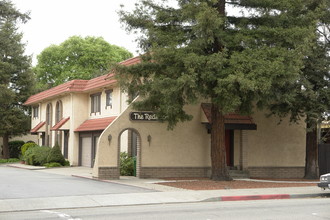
{"points": [[198, 50], [77, 58], [16, 78]]}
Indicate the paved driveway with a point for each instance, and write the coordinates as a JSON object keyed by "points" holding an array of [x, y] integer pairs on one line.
{"points": [[20, 183]]}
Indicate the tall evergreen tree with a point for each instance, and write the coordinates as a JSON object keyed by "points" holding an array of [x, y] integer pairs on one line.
{"points": [[16, 79], [197, 50], [310, 97]]}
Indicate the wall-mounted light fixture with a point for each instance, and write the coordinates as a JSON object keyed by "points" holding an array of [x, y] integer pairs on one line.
{"points": [[109, 138], [149, 139]]}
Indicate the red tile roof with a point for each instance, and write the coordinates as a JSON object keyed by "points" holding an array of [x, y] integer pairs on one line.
{"points": [[95, 124], [59, 124], [37, 127], [72, 86], [231, 118], [131, 61], [79, 85]]}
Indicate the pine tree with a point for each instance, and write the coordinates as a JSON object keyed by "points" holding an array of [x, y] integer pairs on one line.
{"points": [[310, 97], [197, 50], [16, 79]]}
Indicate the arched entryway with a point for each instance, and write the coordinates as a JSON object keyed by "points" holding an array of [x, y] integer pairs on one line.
{"points": [[129, 144]]}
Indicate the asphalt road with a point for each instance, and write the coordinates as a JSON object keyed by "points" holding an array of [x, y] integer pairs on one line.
{"points": [[18, 183], [302, 209]]}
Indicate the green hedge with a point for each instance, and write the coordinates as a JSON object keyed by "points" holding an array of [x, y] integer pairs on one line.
{"points": [[26, 146], [15, 148], [56, 156], [43, 156], [37, 155]]}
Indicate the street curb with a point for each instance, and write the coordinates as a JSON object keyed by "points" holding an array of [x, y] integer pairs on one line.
{"points": [[265, 197], [27, 168]]}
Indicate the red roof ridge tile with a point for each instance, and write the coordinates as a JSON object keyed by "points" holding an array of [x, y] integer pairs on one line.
{"points": [[79, 85]]}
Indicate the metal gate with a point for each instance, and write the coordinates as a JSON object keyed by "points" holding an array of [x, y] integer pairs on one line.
{"points": [[324, 158]]}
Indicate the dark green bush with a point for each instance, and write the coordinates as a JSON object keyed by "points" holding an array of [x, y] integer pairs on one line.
{"points": [[26, 146], [15, 148], [55, 155], [126, 165], [67, 163]]}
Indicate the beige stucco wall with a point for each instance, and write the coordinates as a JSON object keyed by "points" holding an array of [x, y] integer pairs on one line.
{"points": [[119, 103], [25, 138], [77, 107], [274, 144], [188, 145], [80, 113]]}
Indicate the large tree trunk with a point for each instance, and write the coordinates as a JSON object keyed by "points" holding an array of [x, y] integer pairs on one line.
{"points": [[5, 147], [311, 152], [218, 148]]}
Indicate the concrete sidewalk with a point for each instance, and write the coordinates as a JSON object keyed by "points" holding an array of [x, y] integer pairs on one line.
{"points": [[156, 198], [167, 194]]}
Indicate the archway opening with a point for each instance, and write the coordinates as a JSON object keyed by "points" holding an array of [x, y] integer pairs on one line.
{"points": [[129, 152]]}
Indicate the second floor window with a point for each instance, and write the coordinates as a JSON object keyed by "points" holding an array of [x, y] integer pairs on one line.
{"points": [[108, 98], [96, 103], [59, 111], [35, 111]]}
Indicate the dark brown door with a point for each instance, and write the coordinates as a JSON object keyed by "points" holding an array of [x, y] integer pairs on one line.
{"points": [[66, 142], [229, 142]]}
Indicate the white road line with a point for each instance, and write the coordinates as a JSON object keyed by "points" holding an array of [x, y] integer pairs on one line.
{"points": [[61, 215]]}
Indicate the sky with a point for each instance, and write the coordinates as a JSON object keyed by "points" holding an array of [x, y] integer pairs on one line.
{"points": [[54, 21]]}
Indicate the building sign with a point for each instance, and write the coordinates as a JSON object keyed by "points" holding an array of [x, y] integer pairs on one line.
{"points": [[143, 116]]}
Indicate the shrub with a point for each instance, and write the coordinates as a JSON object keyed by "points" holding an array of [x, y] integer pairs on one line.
{"points": [[15, 148], [126, 165], [10, 160], [26, 146], [29, 154], [67, 163], [55, 155], [41, 154], [53, 164], [36, 155]]}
